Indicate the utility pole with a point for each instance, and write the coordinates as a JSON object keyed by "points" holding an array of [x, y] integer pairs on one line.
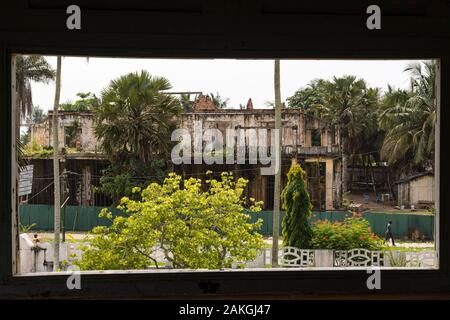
{"points": [[277, 185], [56, 175], [63, 197]]}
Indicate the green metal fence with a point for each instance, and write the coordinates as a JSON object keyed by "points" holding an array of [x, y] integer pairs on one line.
{"points": [[83, 218], [402, 224], [77, 218]]}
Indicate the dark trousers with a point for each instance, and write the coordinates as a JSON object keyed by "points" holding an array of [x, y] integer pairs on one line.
{"points": [[389, 235]]}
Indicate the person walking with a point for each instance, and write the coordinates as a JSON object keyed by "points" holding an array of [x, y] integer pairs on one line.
{"points": [[388, 233]]}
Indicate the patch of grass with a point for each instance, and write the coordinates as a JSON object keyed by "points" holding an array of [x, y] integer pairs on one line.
{"points": [[68, 240], [403, 249]]}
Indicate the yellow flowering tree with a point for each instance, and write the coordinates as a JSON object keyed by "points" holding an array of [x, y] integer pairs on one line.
{"points": [[193, 225]]}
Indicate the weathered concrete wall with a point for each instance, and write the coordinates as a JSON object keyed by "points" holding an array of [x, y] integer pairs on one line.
{"points": [[296, 141], [43, 134], [40, 134], [296, 125], [34, 255]]}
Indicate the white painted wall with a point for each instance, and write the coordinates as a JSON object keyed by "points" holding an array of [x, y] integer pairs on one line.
{"points": [[34, 262]]}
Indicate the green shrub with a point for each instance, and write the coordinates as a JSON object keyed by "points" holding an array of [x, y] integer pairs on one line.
{"points": [[296, 230], [353, 232]]}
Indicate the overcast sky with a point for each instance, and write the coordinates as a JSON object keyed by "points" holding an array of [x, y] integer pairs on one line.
{"points": [[237, 80]]}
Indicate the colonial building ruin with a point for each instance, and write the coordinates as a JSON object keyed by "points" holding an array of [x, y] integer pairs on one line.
{"points": [[313, 142], [75, 131], [306, 138]]}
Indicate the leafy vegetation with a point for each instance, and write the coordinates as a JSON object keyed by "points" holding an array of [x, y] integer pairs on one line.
{"points": [[26, 228], [135, 118], [409, 119], [118, 180], [190, 227], [134, 122], [348, 105], [87, 102], [30, 68], [219, 101], [296, 230], [186, 102], [36, 150], [397, 126], [353, 232]]}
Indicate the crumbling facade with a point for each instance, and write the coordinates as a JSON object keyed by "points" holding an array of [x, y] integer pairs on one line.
{"points": [[311, 141], [75, 131]]}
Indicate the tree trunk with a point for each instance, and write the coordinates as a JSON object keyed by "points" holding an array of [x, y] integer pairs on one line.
{"points": [[391, 190], [344, 165], [56, 175], [372, 175], [352, 172], [277, 185]]}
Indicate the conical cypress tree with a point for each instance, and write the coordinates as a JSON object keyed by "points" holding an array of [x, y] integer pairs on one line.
{"points": [[296, 230]]}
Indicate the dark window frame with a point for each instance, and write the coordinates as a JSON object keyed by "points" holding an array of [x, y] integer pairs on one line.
{"points": [[316, 137], [191, 40]]}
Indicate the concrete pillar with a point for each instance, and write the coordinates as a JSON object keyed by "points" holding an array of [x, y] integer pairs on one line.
{"points": [[329, 184], [323, 258], [86, 198], [324, 138], [308, 138]]}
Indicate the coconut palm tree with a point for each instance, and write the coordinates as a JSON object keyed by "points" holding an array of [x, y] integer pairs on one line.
{"points": [[135, 118], [409, 118], [345, 103], [30, 68]]}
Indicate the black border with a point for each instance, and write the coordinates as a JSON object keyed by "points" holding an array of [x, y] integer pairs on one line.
{"points": [[226, 29]]}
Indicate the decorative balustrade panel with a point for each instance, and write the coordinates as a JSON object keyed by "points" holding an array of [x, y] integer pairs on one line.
{"points": [[295, 257], [358, 258]]}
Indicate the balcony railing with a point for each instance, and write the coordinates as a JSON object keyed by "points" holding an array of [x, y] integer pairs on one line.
{"points": [[316, 150]]}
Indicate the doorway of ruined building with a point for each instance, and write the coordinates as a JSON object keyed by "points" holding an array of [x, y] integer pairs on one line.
{"points": [[270, 183], [315, 181], [315, 177]]}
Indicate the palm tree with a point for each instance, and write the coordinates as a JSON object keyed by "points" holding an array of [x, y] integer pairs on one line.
{"points": [[135, 118], [350, 106], [346, 103], [218, 101], [186, 102], [409, 118], [30, 68]]}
